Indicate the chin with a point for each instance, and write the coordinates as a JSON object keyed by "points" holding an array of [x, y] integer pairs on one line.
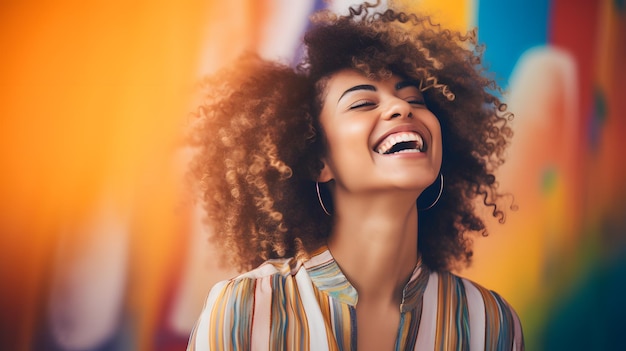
{"points": [[413, 181], [411, 185]]}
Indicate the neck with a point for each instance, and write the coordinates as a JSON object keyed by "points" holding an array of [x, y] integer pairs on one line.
{"points": [[374, 241]]}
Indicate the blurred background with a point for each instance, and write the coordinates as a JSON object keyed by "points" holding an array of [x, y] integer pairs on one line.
{"points": [[101, 249]]}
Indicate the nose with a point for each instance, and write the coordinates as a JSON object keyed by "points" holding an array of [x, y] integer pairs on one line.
{"points": [[397, 107]]}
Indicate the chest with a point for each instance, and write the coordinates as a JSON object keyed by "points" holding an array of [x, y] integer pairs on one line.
{"points": [[290, 315]]}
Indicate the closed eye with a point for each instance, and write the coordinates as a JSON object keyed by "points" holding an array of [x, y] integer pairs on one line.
{"points": [[361, 103], [416, 101]]}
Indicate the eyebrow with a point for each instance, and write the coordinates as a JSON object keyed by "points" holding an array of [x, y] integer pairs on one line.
{"points": [[407, 83], [357, 87], [400, 85]]}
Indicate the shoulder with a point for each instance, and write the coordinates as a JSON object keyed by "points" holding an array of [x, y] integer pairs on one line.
{"points": [[264, 279], [231, 306], [485, 309], [474, 293]]}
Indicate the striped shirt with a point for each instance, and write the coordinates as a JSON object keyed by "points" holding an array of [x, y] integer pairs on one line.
{"points": [[291, 305]]}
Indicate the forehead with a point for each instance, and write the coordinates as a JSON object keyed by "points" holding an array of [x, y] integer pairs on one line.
{"points": [[347, 78]]}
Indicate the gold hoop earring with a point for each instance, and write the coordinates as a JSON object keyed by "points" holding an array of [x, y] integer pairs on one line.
{"points": [[319, 198], [438, 195]]}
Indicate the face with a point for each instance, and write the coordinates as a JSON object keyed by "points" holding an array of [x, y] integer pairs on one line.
{"points": [[380, 135]]}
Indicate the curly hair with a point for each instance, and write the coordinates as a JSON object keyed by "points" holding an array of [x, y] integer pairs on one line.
{"points": [[260, 142]]}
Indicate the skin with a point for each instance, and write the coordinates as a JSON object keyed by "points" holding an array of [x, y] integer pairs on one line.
{"points": [[374, 238]]}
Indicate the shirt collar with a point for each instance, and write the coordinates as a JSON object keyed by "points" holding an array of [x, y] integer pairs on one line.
{"points": [[328, 277]]}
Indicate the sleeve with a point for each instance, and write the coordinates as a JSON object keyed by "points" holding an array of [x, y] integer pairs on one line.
{"points": [[518, 335], [226, 319], [511, 328], [494, 323], [199, 340]]}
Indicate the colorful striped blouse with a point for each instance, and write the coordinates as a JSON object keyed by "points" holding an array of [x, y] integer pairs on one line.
{"points": [[291, 305]]}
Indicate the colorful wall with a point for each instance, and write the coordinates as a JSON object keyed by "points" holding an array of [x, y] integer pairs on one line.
{"points": [[101, 249]]}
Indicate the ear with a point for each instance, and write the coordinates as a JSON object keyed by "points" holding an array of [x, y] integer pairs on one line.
{"points": [[326, 174]]}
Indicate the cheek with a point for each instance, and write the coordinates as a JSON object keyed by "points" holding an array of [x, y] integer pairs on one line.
{"points": [[438, 143], [348, 137], [432, 123]]}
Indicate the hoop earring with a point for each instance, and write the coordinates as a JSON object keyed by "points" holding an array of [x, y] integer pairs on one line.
{"points": [[438, 195], [319, 198]]}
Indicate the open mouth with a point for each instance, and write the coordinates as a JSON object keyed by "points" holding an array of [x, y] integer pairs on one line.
{"points": [[401, 142]]}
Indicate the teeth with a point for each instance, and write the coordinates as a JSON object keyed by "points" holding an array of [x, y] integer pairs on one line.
{"points": [[401, 137]]}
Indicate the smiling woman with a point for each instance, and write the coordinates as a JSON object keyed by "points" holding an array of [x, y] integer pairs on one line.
{"points": [[322, 176], [372, 132]]}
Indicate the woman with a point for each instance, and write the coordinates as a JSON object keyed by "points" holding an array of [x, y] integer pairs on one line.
{"points": [[333, 176]]}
